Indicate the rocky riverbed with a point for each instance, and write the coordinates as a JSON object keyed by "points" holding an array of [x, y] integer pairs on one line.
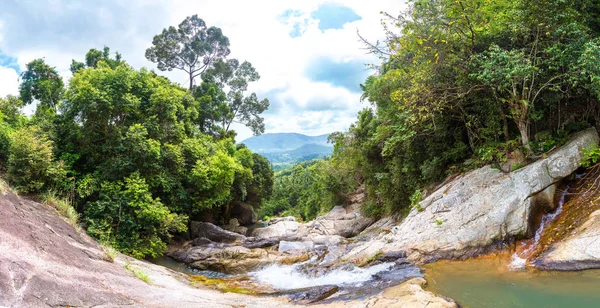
{"points": [[46, 262]]}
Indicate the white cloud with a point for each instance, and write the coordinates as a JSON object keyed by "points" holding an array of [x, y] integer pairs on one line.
{"points": [[9, 81], [256, 32]]}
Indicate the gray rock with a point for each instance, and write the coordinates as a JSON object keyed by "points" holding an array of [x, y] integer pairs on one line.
{"points": [[579, 251], [201, 241], [285, 246], [343, 227], [236, 229], [470, 213], [327, 240], [275, 220], [410, 294], [280, 229], [257, 242], [214, 233], [244, 213], [311, 295], [340, 221], [515, 160], [339, 213], [45, 262], [234, 222]]}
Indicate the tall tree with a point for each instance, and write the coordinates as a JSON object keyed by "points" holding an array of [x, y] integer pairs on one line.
{"points": [[192, 48], [93, 56], [244, 109], [41, 82]]}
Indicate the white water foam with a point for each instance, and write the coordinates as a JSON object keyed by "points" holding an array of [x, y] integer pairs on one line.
{"points": [[287, 277], [517, 263]]}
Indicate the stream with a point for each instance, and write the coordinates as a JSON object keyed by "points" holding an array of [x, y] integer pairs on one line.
{"points": [[503, 279], [488, 282], [353, 282]]}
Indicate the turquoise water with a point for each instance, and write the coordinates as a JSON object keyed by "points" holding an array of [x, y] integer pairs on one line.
{"points": [[487, 282]]}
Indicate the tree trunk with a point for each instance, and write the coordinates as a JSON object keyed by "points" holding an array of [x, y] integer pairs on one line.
{"points": [[191, 82], [504, 121], [522, 125], [189, 225]]}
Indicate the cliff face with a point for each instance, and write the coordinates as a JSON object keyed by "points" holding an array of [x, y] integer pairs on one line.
{"points": [[482, 207], [45, 262]]}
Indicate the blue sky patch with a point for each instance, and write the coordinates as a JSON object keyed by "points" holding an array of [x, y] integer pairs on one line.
{"points": [[334, 16], [11, 62], [342, 74], [294, 18]]}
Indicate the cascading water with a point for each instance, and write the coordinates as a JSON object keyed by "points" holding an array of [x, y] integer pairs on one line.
{"points": [[289, 277], [353, 282], [518, 261]]}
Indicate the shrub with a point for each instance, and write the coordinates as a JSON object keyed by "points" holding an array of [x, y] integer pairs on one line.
{"points": [[31, 165], [591, 156], [415, 200], [127, 217], [63, 206]]}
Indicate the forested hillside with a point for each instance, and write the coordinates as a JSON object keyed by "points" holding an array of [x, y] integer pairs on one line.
{"points": [[135, 154], [284, 150], [281, 142], [461, 84]]}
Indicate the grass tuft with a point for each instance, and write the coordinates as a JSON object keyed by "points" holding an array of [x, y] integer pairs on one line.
{"points": [[4, 187], [109, 252], [137, 272], [63, 206]]}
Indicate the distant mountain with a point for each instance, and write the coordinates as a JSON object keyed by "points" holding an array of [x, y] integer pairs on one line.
{"points": [[286, 149], [303, 153], [281, 142]]}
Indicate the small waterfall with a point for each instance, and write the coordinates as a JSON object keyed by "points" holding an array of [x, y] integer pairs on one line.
{"points": [[519, 260], [289, 277]]}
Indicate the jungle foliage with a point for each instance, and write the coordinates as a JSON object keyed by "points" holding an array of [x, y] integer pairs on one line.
{"points": [[138, 155], [461, 83]]}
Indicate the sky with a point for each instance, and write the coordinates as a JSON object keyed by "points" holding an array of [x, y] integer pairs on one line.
{"points": [[307, 52]]}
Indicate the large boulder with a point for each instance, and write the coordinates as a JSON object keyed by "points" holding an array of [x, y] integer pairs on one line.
{"points": [[339, 213], [214, 233], [285, 246], [203, 254], [244, 213], [578, 251], [275, 220], [234, 226], [340, 221], [342, 227], [467, 215], [223, 258], [410, 294], [312, 294], [282, 229]]}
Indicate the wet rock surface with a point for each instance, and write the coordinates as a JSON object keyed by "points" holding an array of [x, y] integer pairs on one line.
{"points": [[580, 250], [311, 295], [410, 294], [214, 233], [284, 241]]}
